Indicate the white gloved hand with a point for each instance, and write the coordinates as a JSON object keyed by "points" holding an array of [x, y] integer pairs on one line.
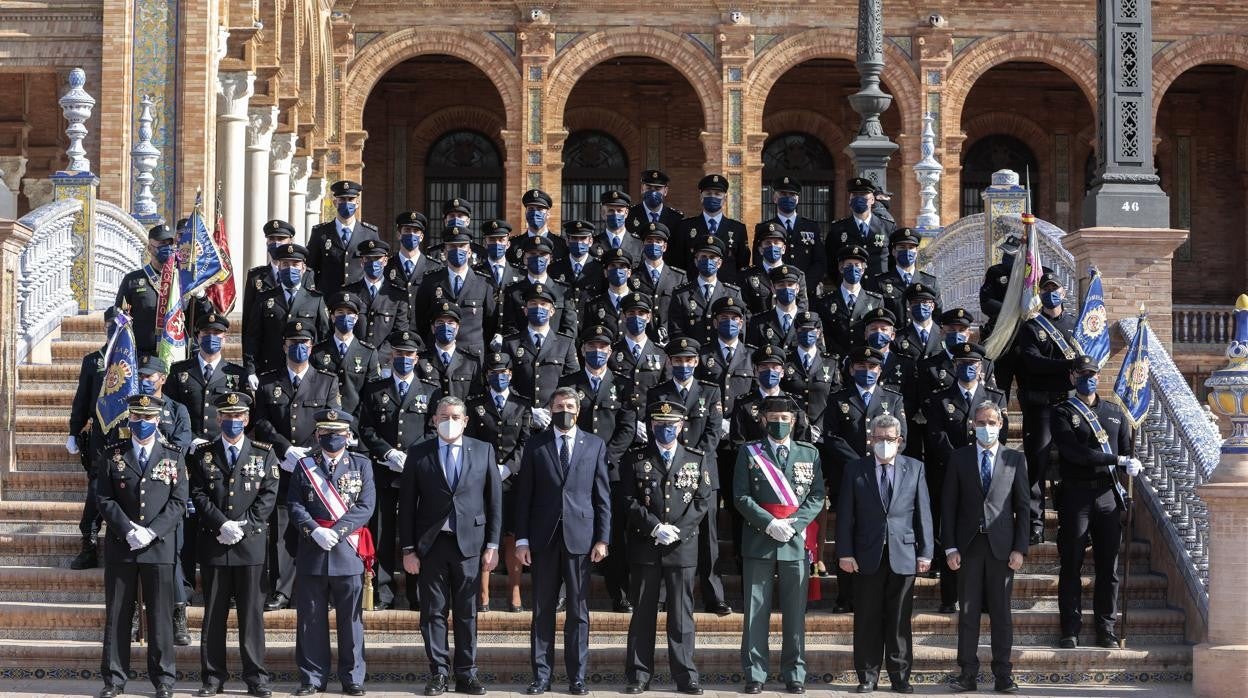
{"points": [[386, 372], [200, 293], [666, 534], [196, 442], [143, 537], [780, 529], [641, 434], [71, 445], [325, 537], [232, 530], [725, 425], [253, 382], [496, 344], [132, 539], [288, 463], [503, 472], [395, 460], [541, 417], [816, 433], [1133, 466]]}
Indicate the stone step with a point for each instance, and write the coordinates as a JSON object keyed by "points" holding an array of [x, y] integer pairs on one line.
{"points": [[27, 423], [62, 486], [86, 322], [42, 451], [62, 373], [57, 512]]}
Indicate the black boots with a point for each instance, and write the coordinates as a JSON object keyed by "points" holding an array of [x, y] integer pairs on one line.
{"points": [[87, 558], [181, 637]]}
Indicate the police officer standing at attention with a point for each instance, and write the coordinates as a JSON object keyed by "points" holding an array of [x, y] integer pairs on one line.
{"points": [[331, 499], [409, 265], [903, 250], [266, 276], [343, 353], [142, 488], [537, 205], [656, 276], [711, 221], [582, 269], [666, 492], [540, 356], [638, 359], [495, 263], [139, 290], [803, 239], [845, 305], [198, 381], [694, 304], [234, 487], [454, 369], [769, 253], [383, 303], [273, 309], [616, 236], [1092, 436], [537, 257], [459, 283], [654, 209], [862, 228], [333, 247], [920, 337]]}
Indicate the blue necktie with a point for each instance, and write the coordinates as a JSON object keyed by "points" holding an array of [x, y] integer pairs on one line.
{"points": [[905, 276], [346, 236], [667, 460], [576, 268], [233, 459], [923, 338], [499, 402], [789, 224], [498, 274], [785, 323], [594, 383], [452, 470], [458, 284], [402, 390], [408, 267], [654, 217], [864, 230], [143, 461], [654, 277], [565, 453], [712, 225], [985, 471]]}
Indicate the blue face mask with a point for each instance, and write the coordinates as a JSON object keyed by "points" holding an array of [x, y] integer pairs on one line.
{"points": [[345, 323], [142, 430], [1086, 385], [921, 312], [596, 359], [147, 387], [878, 340], [299, 352], [786, 296], [617, 276], [496, 250], [536, 264], [410, 241], [458, 222], [769, 378], [907, 258], [232, 427], [865, 378], [346, 209], [966, 372], [578, 248], [538, 317], [653, 251], [457, 256], [536, 218], [729, 329], [445, 333], [851, 273], [332, 443], [291, 276], [403, 365], [787, 204], [210, 344], [712, 204], [615, 221], [653, 199], [808, 338], [708, 266], [773, 253], [163, 254], [1051, 299], [374, 268], [665, 433], [953, 339], [635, 324], [682, 373], [858, 204], [500, 381]]}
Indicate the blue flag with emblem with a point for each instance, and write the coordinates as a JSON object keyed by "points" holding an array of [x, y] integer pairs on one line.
{"points": [[1092, 330], [121, 375], [1133, 390], [199, 260]]}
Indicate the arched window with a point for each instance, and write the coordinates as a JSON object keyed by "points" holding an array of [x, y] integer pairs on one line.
{"points": [[465, 164], [989, 154], [593, 163], [805, 157]]}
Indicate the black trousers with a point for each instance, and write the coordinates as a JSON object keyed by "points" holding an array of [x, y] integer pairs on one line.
{"points": [[89, 524], [948, 578], [1084, 511], [384, 526], [242, 584], [281, 564], [647, 580], [708, 554], [615, 567], [552, 567], [1037, 442], [727, 461], [187, 556], [883, 604], [984, 576], [449, 582], [121, 586]]}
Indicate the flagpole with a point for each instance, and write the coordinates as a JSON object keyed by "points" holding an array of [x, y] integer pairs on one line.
{"points": [[1128, 530]]}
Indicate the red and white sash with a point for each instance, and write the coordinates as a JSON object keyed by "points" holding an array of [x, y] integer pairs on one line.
{"points": [[774, 475], [361, 541]]}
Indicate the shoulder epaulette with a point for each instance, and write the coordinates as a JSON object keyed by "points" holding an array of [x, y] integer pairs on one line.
{"points": [[325, 373], [262, 445], [366, 344], [731, 286], [368, 225], [695, 451], [566, 333]]}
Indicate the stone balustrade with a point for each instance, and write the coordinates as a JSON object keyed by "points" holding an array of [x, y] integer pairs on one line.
{"points": [[1203, 324], [45, 293], [119, 242]]}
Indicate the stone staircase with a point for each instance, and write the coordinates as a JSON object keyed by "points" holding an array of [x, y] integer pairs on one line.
{"points": [[51, 617]]}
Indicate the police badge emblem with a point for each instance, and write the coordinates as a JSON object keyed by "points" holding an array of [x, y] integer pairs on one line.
{"points": [[184, 377], [277, 391], [844, 237], [480, 410], [833, 308], [268, 303], [754, 281], [1075, 421], [437, 292], [646, 467], [950, 408], [844, 408], [328, 244], [259, 284], [519, 352], [1042, 335]]}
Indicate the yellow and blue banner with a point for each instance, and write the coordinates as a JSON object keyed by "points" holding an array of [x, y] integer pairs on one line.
{"points": [[1133, 390], [121, 375], [199, 260], [1092, 330]]}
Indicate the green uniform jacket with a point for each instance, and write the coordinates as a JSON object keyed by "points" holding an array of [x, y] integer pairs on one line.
{"points": [[751, 490]]}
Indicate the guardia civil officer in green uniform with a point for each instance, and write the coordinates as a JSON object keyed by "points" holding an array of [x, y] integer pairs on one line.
{"points": [[778, 488]]}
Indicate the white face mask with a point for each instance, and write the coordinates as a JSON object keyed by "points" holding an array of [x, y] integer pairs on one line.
{"points": [[987, 435], [450, 429], [885, 451]]}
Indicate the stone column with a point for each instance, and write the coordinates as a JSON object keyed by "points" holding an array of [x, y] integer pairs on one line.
{"points": [[234, 90], [280, 153], [300, 168], [12, 168], [871, 149], [316, 197], [13, 238], [261, 122]]}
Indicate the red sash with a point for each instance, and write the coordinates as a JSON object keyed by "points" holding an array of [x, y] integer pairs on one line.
{"points": [[362, 539], [780, 485]]}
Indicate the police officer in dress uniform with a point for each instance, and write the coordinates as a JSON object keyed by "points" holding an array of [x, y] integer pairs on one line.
{"points": [[777, 512], [693, 304], [666, 493], [266, 276], [862, 228], [540, 356], [606, 308], [992, 296], [609, 411], [345, 353], [234, 487], [653, 208], [495, 263], [537, 204], [139, 291], [457, 215], [333, 247], [582, 269], [711, 221], [287, 400], [757, 288], [456, 370], [615, 234], [197, 382], [903, 254], [846, 304], [1092, 437], [274, 308], [919, 337], [471, 290], [656, 276], [775, 325], [537, 257], [383, 302], [636, 356], [395, 412], [327, 558], [935, 372], [803, 240], [142, 490], [877, 329], [409, 264]]}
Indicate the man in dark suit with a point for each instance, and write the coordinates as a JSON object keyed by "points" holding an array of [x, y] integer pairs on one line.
{"points": [[268, 276], [272, 309], [985, 534], [333, 247], [142, 490], [804, 247], [450, 521], [345, 353], [845, 305], [666, 494], [563, 477], [884, 535], [331, 500], [656, 276], [775, 325], [903, 270], [382, 301], [473, 291], [711, 221], [862, 228], [234, 487]]}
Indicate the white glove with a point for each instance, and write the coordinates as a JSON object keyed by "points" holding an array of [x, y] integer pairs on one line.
{"points": [[232, 530], [132, 539], [725, 425], [541, 417], [293, 454], [1132, 466], [781, 530], [641, 434], [666, 534], [71, 445], [496, 344], [200, 293], [326, 538], [253, 382], [395, 460], [196, 442], [816, 433], [140, 537], [503, 472]]}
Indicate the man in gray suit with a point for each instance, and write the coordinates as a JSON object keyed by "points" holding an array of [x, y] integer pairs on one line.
{"points": [[884, 535], [986, 504]]}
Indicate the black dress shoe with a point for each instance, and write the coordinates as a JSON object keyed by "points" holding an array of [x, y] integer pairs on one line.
{"points": [[383, 606], [436, 685], [353, 689], [578, 689], [1107, 640], [865, 688], [164, 692], [948, 608], [207, 691], [537, 688], [662, 607], [470, 686], [108, 692], [692, 689], [964, 684], [754, 687], [839, 607], [260, 691], [1005, 685], [622, 606], [902, 686], [1069, 642], [795, 688], [634, 688], [276, 602], [307, 690], [719, 609]]}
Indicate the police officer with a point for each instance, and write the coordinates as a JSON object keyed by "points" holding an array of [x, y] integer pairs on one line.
{"points": [[394, 414], [653, 206], [344, 353], [949, 423], [472, 291], [693, 304], [803, 240], [266, 276], [725, 360], [538, 254], [494, 263], [139, 291], [582, 269], [615, 234], [382, 302], [1046, 346], [918, 337], [333, 549], [234, 487], [641, 361], [197, 382], [455, 369], [769, 371], [274, 308], [903, 254], [456, 214], [756, 288], [666, 493], [607, 307], [1092, 436], [862, 228], [655, 275], [409, 264], [878, 329], [142, 489], [287, 400], [775, 324], [537, 205], [609, 411], [333, 247], [936, 371], [540, 355], [711, 221], [845, 305]]}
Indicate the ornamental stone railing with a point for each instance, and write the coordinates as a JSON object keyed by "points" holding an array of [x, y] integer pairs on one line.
{"points": [[119, 241], [1203, 324], [44, 291]]}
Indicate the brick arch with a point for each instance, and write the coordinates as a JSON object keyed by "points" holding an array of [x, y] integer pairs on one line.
{"points": [[588, 51], [1176, 59], [610, 122], [1008, 124], [381, 54], [807, 121], [1074, 58], [423, 135], [768, 67]]}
